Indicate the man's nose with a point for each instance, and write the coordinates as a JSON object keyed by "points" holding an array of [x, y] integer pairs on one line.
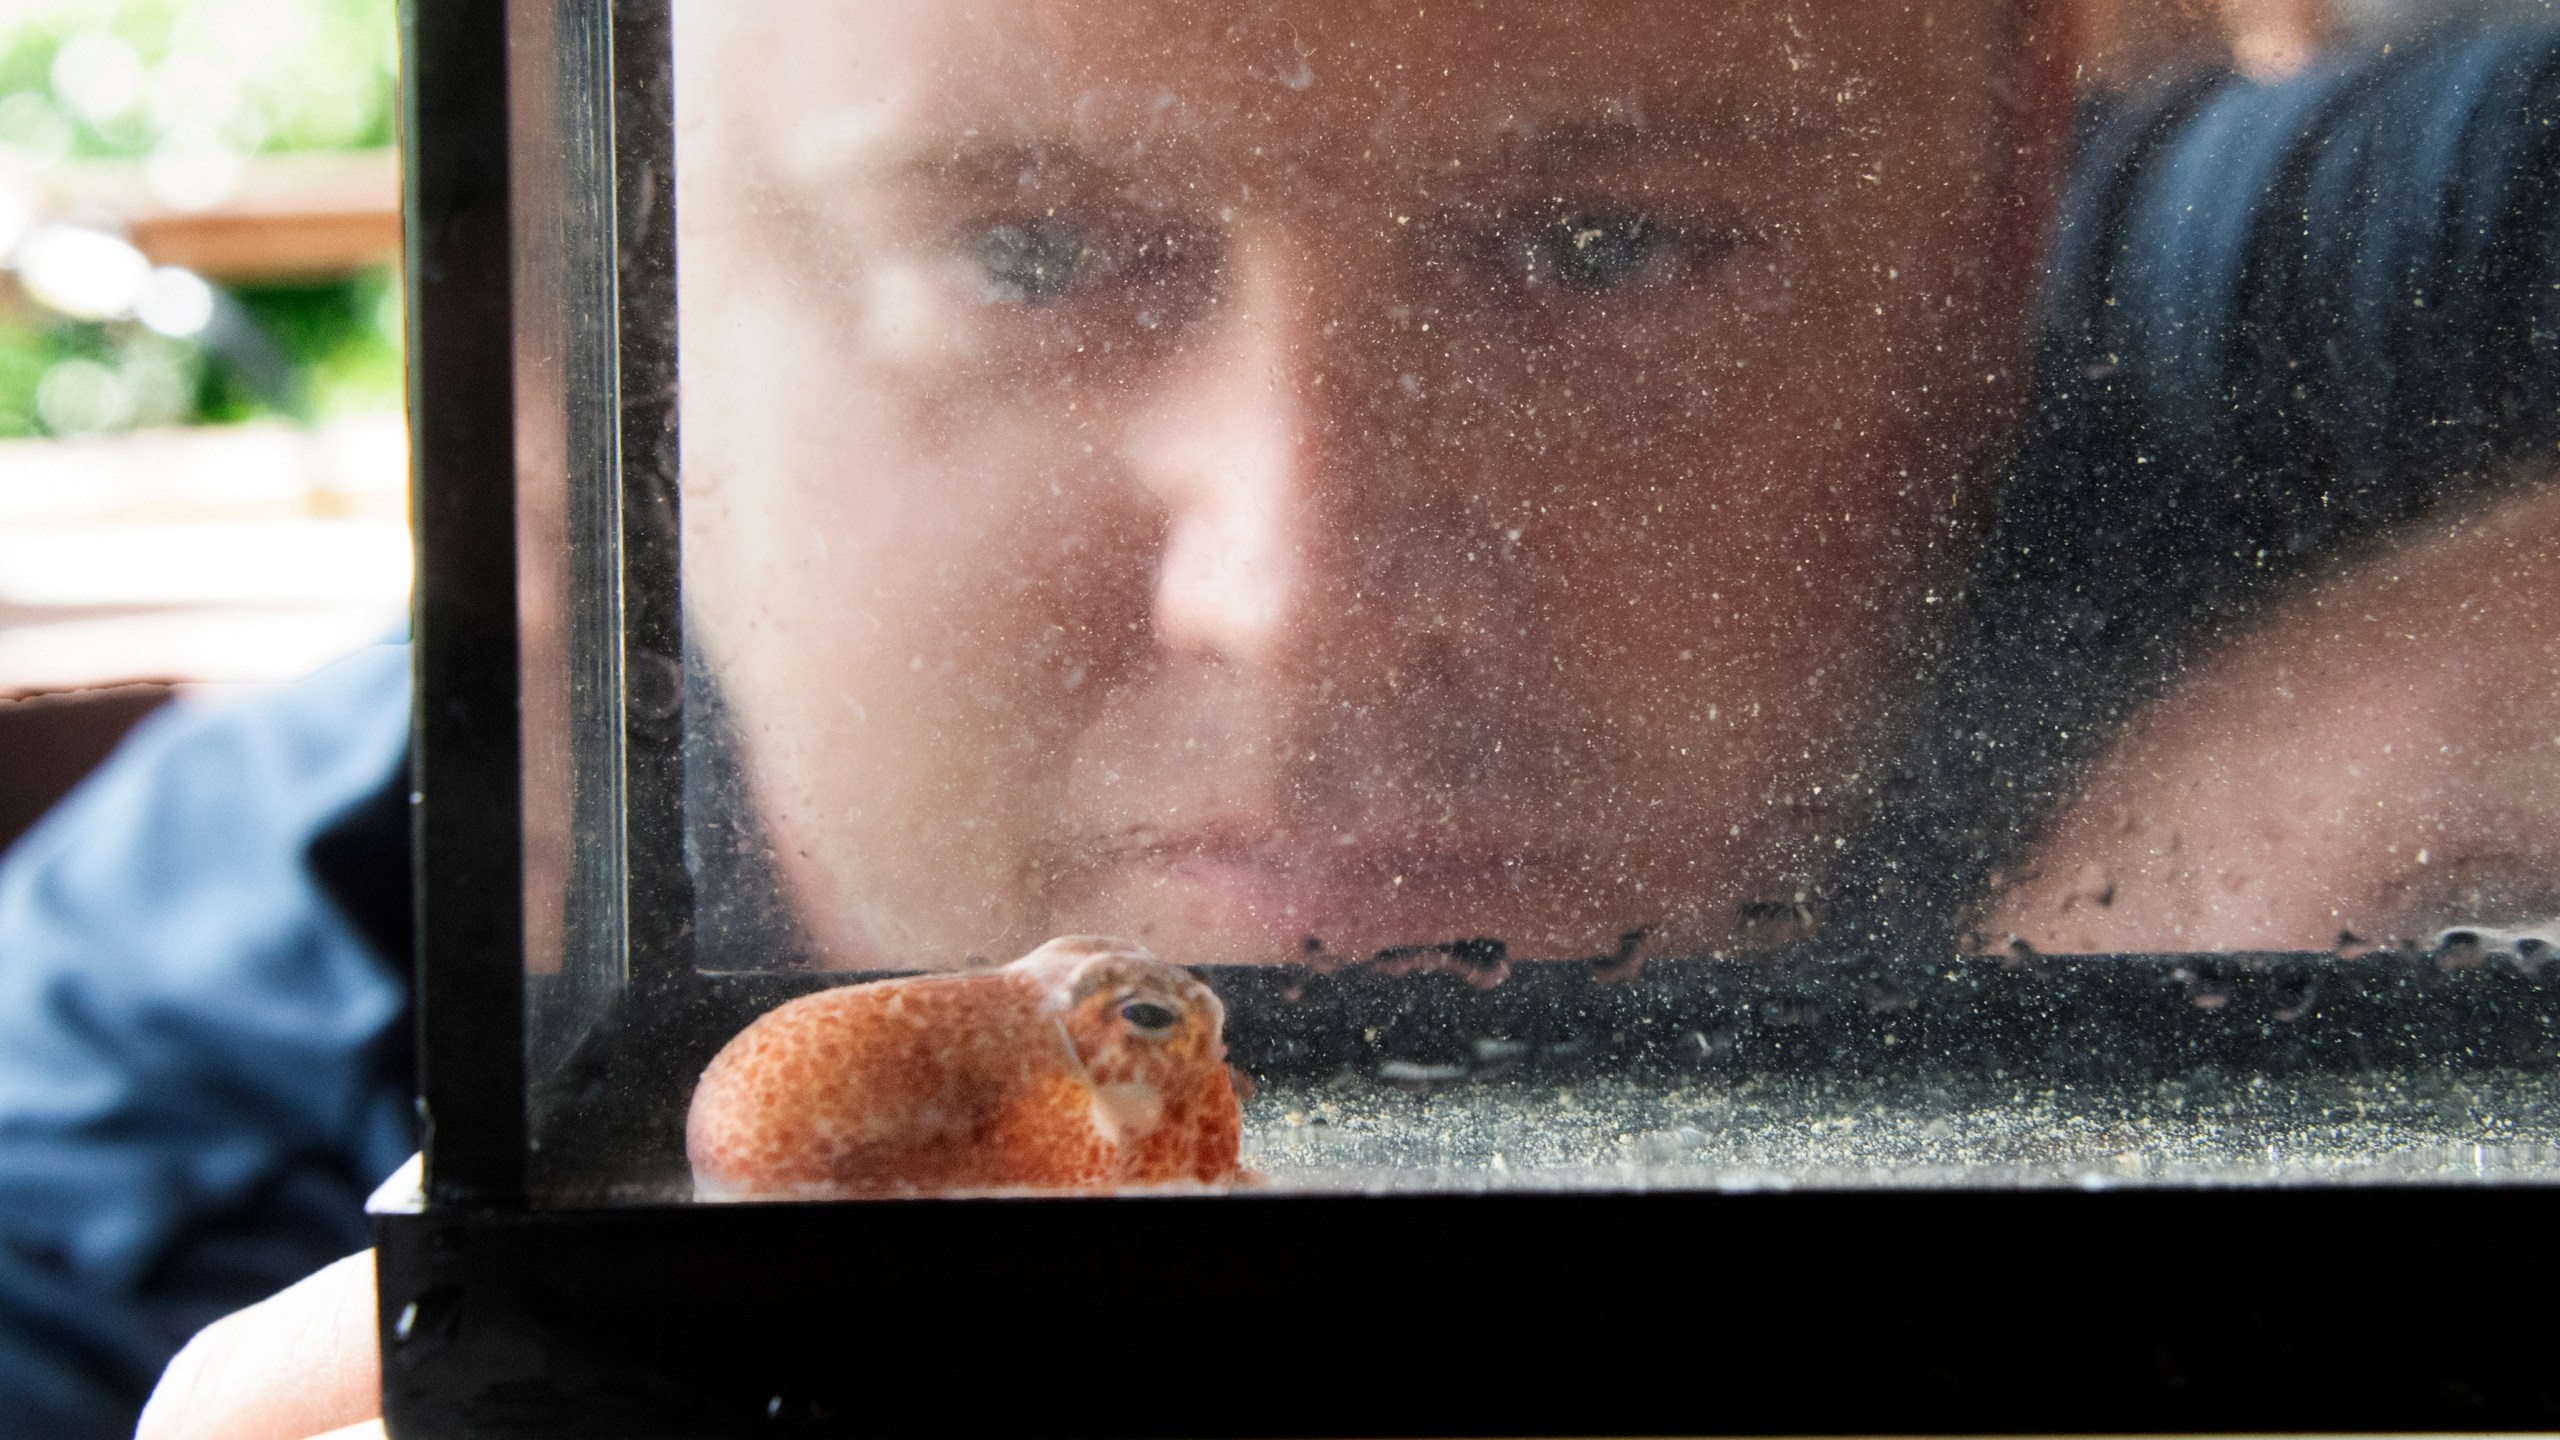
{"points": [[1247, 453]]}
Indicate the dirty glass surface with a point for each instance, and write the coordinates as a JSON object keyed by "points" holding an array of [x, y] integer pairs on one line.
{"points": [[1566, 595]]}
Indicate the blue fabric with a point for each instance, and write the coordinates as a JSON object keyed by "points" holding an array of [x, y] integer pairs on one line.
{"points": [[2377, 325], [193, 1103]]}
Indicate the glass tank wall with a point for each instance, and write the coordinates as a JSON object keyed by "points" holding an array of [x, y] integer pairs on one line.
{"points": [[1143, 594]]}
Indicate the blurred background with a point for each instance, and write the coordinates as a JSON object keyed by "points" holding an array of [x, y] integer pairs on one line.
{"points": [[202, 464]]}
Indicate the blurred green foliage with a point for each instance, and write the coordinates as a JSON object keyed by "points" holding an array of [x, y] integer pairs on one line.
{"points": [[151, 80], [25, 353], [340, 342], [125, 77]]}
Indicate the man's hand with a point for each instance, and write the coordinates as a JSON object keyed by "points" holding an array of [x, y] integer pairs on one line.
{"points": [[301, 1365]]}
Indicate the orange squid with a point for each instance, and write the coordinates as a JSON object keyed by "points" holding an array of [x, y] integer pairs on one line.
{"points": [[1087, 1064]]}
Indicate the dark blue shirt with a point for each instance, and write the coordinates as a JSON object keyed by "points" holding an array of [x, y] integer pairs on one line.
{"points": [[194, 1100]]}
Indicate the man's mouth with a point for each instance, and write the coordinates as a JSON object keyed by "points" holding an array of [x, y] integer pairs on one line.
{"points": [[1282, 892]]}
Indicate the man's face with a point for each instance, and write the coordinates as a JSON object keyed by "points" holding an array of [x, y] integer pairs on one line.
{"points": [[1338, 478]]}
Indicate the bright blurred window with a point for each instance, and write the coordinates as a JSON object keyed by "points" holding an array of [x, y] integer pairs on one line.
{"points": [[202, 468]]}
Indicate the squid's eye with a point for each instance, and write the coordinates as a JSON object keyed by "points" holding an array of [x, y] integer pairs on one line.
{"points": [[1148, 1016]]}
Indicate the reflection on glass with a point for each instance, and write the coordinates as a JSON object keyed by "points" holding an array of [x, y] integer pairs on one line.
{"points": [[2375, 760], [1621, 581]]}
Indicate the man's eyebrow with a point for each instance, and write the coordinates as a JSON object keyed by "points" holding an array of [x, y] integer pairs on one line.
{"points": [[970, 162], [1571, 142]]}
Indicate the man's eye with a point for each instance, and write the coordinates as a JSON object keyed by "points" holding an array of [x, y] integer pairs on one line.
{"points": [[1569, 253], [1032, 262], [1160, 266], [1594, 252]]}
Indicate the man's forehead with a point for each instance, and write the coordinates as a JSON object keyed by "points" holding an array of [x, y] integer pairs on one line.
{"points": [[823, 86]]}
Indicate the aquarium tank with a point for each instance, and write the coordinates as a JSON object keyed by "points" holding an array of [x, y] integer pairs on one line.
{"points": [[1107, 628]]}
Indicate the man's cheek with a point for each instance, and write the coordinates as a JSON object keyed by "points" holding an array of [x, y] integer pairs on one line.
{"points": [[909, 327]]}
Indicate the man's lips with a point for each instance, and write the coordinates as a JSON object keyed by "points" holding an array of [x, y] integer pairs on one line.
{"points": [[1352, 890]]}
